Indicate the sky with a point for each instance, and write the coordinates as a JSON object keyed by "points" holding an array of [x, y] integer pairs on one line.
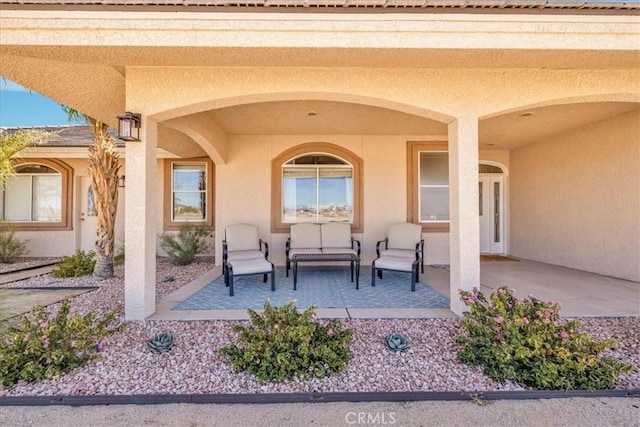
{"points": [[21, 107]]}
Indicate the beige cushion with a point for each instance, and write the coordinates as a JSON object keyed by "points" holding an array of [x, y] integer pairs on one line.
{"points": [[339, 251], [399, 253], [252, 266], [242, 237], [394, 263], [314, 251], [404, 236], [305, 236], [244, 255], [336, 235]]}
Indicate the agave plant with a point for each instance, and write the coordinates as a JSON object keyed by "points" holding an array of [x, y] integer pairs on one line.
{"points": [[161, 343], [397, 343]]}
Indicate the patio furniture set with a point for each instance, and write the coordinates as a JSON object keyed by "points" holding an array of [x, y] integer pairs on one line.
{"points": [[244, 253]]}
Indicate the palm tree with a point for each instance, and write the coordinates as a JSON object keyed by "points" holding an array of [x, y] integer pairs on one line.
{"points": [[12, 143], [103, 169]]}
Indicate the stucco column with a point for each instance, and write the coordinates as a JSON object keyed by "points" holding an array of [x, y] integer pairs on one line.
{"points": [[140, 230], [464, 237]]}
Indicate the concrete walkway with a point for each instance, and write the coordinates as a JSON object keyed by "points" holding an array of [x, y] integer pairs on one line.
{"points": [[16, 301], [25, 274], [579, 293]]}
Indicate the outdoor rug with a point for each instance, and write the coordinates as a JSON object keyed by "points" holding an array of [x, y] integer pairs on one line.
{"points": [[326, 287]]}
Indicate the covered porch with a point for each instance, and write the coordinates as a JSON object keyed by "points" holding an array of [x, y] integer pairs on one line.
{"points": [[580, 294]]}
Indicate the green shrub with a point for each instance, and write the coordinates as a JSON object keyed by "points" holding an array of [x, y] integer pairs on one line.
{"points": [[183, 247], [42, 346], [282, 343], [11, 247], [524, 340], [76, 265]]}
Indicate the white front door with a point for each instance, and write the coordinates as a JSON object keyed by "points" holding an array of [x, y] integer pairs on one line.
{"points": [[491, 214], [88, 215]]}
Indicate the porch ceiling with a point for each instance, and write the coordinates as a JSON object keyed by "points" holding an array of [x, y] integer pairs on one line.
{"points": [[504, 132], [515, 129]]}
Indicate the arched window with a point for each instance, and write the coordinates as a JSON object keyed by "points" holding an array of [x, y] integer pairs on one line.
{"points": [[34, 193], [317, 187], [316, 182], [36, 196]]}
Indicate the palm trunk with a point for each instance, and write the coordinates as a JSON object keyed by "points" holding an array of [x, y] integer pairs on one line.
{"points": [[103, 171]]}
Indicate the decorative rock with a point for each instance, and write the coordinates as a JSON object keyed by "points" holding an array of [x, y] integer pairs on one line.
{"points": [[127, 367]]}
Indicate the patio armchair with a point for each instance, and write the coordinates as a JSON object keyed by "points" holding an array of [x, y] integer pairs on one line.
{"points": [[402, 250], [403, 240], [244, 253]]}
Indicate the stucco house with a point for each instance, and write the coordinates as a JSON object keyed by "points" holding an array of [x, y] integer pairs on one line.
{"points": [[524, 114]]}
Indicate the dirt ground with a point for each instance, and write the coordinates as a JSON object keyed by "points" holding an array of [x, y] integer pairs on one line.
{"points": [[580, 412]]}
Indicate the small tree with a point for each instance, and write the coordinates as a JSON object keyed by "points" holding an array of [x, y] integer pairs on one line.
{"points": [[103, 169], [11, 143]]}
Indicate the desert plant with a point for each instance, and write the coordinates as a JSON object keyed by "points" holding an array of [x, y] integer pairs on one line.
{"points": [[11, 247], [42, 345], [77, 265], [524, 340], [160, 343], [183, 247], [397, 343], [282, 343]]}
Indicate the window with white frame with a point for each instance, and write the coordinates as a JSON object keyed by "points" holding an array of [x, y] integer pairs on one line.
{"points": [[317, 188], [33, 194], [433, 187], [189, 191]]}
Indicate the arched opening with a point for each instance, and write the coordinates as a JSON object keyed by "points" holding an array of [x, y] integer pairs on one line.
{"points": [[316, 182]]}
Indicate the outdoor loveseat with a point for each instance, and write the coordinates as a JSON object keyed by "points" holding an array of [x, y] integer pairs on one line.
{"points": [[328, 242]]}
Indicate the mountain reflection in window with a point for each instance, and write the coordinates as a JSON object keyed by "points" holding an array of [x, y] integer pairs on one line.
{"points": [[317, 188]]}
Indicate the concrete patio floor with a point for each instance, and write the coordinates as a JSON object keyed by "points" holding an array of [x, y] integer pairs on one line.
{"points": [[579, 293]]}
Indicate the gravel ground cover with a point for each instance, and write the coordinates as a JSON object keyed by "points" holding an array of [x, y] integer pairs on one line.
{"points": [[193, 365]]}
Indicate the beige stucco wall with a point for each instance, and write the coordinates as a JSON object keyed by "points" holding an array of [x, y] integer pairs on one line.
{"points": [[575, 199], [243, 187]]}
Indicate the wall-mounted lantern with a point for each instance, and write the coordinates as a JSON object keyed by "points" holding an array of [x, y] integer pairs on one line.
{"points": [[129, 126]]}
